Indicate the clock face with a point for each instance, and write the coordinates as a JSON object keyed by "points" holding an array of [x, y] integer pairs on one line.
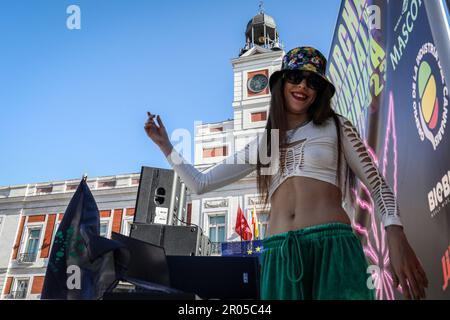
{"points": [[257, 83]]}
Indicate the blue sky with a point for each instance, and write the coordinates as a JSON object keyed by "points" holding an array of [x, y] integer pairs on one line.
{"points": [[75, 101]]}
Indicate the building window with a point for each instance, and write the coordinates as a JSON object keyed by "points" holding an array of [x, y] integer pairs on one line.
{"points": [[106, 184], [71, 187], [20, 289], [217, 129], [54, 234], [217, 228], [263, 220], [32, 245], [215, 152], [258, 116], [135, 181], [104, 226], [126, 227], [44, 190]]}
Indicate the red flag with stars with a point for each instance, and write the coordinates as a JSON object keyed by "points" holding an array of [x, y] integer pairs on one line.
{"points": [[242, 228]]}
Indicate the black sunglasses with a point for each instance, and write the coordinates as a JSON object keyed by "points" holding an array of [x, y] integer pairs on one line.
{"points": [[313, 81]]}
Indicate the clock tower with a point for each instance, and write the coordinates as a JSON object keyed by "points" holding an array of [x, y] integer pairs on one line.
{"points": [[258, 59]]}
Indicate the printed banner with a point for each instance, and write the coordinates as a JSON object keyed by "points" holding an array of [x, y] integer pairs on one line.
{"points": [[388, 65]]}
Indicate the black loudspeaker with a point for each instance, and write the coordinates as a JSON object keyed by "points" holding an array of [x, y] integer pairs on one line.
{"points": [[216, 277], [161, 197], [176, 240]]}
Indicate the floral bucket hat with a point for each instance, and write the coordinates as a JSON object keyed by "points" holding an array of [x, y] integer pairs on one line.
{"points": [[303, 58]]}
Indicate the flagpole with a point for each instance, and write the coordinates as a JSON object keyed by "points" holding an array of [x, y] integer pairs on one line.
{"points": [[254, 232], [241, 233]]}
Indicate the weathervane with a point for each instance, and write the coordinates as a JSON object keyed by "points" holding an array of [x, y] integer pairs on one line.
{"points": [[261, 9]]}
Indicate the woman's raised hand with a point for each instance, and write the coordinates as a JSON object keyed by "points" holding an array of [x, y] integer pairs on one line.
{"points": [[158, 133]]}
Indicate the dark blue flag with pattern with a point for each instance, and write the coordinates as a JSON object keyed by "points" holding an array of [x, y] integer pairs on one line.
{"points": [[242, 248], [82, 264]]}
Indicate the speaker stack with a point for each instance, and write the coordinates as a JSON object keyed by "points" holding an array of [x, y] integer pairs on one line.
{"points": [[160, 216]]}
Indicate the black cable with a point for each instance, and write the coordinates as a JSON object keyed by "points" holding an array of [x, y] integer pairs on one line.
{"points": [[193, 224], [189, 224]]}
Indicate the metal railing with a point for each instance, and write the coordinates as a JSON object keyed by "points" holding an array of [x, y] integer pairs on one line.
{"points": [[16, 295], [216, 248], [27, 257]]}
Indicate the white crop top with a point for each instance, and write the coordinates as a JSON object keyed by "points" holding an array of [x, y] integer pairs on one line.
{"points": [[311, 151]]}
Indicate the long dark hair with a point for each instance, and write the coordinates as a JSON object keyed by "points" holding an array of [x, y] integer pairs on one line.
{"points": [[319, 111]]}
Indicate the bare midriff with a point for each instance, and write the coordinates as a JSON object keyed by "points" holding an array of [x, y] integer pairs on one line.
{"points": [[301, 202]]}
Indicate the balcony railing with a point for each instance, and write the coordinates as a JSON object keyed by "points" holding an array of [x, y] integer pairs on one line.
{"points": [[16, 295], [216, 248], [27, 257]]}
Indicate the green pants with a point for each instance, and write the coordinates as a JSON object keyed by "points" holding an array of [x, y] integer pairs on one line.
{"points": [[320, 262]]}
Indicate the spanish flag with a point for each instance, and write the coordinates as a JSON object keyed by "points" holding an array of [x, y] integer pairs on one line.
{"points": [[255, 223]]}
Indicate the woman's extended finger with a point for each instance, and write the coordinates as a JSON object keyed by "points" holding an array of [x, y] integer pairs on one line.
{"points": [[405, 287], [414, 285], [421, 281], [150, 120], [394, 278], [150, 123], [159, 121], [422, 273]]}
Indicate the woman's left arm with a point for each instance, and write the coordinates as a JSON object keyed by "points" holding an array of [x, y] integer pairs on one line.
{"points": [[406, 267]]}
